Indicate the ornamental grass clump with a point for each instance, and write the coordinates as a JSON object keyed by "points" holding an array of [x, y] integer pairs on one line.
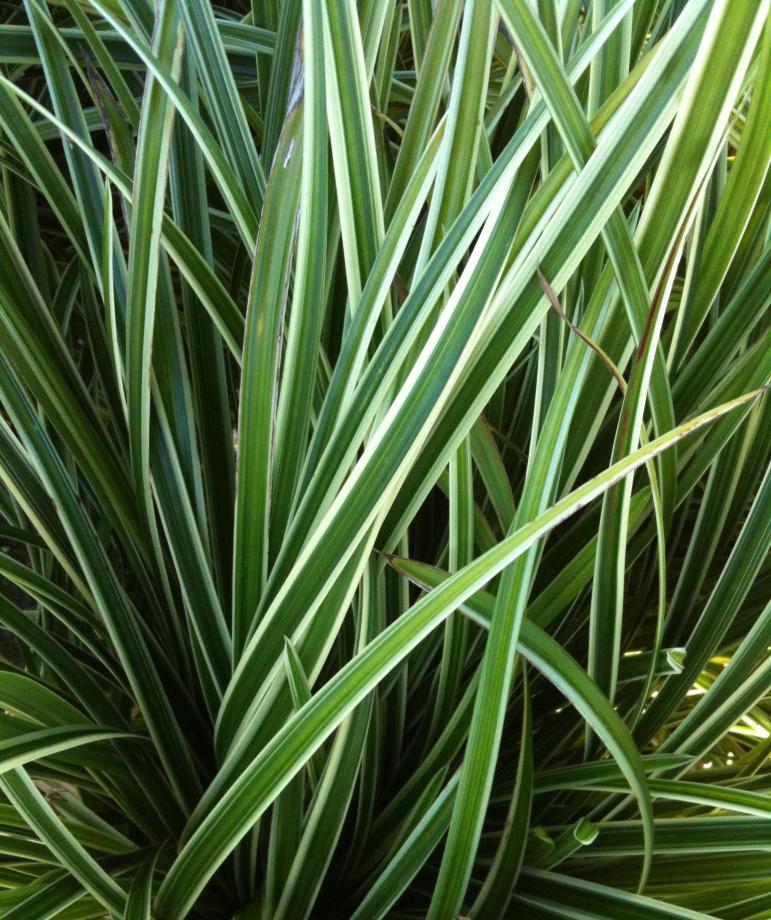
{"points": [[385, 499]]}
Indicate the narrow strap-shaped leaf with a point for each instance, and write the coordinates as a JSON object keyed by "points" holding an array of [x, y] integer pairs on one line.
{"points": [[429, 391], [579, 140], [48, 742], [455, 175], [507, 330], [741, 801], [47, 900], [306, 315], [738, 199], [355, 347], [80, 682], [228, 180], [738, 689], [284, 60], [708, 528], [241, 40], [460, 552], [91, 830], [261, 362], [724, 339], [457, 165], [598, 771], [497, 667], [187, 181], [496, 891], [327, 814], [153, 147], [410, 858], [325, 819], [223, 100], [35, 348], [301, 693], [353, 143], [301, 736], [42, 168], [41, 588], [488, 461], [20, 790], [207, 619], [67, 106], [613, 537], [438, 271], [114, 607], [106, 63], [562, 896], [428, 94], [140, 894], [214, 296], [36, 701], [681, 838], [736, 578], [611, 66]]}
